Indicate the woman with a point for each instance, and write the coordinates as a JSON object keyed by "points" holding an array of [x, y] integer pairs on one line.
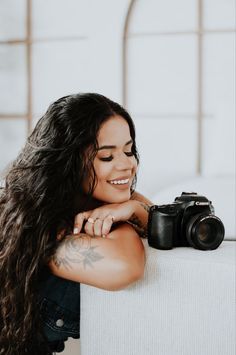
{"points": [[68, 214]]}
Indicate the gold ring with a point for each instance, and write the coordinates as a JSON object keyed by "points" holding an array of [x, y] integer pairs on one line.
{"points": [[91, 220]]}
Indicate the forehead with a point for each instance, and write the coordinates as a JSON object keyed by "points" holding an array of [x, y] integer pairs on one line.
{"points": [[114, 130]]}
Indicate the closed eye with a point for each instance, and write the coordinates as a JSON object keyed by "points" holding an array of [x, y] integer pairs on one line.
{"points": [[106, 159], [129, 154]]}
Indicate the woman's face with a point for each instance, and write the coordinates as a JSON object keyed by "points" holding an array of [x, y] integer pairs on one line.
{"points": [[114, 164]]}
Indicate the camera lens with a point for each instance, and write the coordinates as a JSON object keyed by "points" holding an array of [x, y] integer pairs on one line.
{"points": [[205, 232]]}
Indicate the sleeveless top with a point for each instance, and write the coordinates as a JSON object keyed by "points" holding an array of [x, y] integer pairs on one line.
{"points": [[59, 307]]}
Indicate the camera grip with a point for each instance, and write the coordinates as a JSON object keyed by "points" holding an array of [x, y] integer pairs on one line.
{"points": [[160, 230]]}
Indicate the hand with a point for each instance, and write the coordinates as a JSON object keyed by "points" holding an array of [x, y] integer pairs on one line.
{"points": [[100, 220]]}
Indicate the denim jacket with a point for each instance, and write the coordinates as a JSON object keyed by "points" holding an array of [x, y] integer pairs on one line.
{"points": [[59, 306]]}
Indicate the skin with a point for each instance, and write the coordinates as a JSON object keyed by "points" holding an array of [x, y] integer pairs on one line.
{"points": [[106, 253], [114, 132], [119, 205]]}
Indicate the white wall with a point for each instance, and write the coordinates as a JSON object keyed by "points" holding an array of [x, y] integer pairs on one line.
{"points": [[163, 89], [81, 51], [76, 47]]}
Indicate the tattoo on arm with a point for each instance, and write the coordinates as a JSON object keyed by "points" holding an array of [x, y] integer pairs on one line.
{"points": [[140, 227], [75, 250], [145, 206]]}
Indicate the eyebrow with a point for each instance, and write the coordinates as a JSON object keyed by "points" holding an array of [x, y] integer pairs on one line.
{"points": [[114, 146]]}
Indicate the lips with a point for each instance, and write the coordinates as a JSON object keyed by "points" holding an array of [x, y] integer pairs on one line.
{"points": [[120, 178], [121, 183]]}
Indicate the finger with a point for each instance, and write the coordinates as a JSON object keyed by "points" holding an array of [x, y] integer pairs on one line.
{"points": [[89, 227], [107, 224], [97, 227], [79, 220]]}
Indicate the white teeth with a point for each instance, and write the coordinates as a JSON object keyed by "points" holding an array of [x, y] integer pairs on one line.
{"points": [[119, 182]]}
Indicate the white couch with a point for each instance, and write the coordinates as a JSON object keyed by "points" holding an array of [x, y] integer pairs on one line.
{"points": [[184, 305]]}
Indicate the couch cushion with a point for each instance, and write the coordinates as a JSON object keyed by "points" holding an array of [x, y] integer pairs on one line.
{"points": [[185, 304]]}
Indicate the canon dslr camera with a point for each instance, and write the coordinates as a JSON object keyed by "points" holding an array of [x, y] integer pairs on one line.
{"points": [[189, 221]]}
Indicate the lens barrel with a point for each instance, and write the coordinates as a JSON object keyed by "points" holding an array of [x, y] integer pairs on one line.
{"points": [[205, 232]]}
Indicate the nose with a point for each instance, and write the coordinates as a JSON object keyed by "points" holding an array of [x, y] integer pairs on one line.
{"points": [[124, 163]]}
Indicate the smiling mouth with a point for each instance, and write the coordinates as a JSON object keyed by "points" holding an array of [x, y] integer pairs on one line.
{"points": [[119, 182]]}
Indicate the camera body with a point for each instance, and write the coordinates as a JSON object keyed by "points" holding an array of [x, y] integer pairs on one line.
{"points": [[188, 221]]}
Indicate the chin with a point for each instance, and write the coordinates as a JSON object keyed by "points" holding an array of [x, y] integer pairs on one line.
{"points": [[115, 199], [120, 199]]}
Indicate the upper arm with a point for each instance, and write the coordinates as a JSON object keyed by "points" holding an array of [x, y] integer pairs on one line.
{"points": [[110, 263]]}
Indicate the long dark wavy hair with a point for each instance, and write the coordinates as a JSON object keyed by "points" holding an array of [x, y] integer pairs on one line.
{"points": [[39, 198]]}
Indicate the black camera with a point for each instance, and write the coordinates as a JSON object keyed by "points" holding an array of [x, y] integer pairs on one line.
{"points": [[188, 221]]}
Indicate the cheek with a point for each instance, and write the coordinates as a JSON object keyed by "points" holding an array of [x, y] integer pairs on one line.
{"points": [[103, 171]]}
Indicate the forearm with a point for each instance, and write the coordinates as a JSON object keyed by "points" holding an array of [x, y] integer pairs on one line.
{"points": [[139, 218], [99, 221]]}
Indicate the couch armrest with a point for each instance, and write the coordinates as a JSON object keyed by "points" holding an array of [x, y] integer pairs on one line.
{"points": [[184, 305]]}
